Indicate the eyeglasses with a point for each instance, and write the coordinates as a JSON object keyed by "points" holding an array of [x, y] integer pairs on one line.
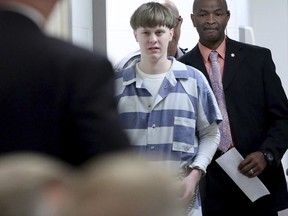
{"points": [[178, 20]]}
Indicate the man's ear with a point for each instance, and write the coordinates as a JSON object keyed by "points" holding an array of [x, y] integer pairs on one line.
{"points": [[228, 16], [192, 19], [171, 34], [135, 35]]}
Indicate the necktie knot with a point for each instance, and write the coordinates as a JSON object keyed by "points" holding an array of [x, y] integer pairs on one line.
{"points": [[213, 56]]}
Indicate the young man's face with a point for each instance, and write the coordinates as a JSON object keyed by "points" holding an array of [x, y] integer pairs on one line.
{"points": [[154, 41]]}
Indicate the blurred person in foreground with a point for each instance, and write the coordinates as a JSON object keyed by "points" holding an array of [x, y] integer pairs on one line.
{"points": [[173, 48], [257, 110], [55, 98], [125, 185], [35, 185], [167, 108]]}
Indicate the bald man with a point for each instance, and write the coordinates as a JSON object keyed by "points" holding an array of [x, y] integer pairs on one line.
{"points": [[55, 98], [173, 48]]}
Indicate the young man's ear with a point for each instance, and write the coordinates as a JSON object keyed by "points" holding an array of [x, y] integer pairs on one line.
{"points": [[135, 35], [171, 34]]}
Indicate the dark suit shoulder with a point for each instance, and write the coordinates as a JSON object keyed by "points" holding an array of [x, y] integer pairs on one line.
{"points": [[184, 58], [194, 58], [68, 58], [63, 48], [245, 46]]}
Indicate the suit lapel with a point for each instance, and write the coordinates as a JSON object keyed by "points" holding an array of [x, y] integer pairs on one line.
{"points": [[197, 61], [233, 59]]}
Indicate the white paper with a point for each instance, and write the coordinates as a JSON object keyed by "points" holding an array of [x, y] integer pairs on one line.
{"points": [[252, 187]]}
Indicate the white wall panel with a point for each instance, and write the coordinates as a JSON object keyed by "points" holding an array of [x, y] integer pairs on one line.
{"points": [[82, 23]]}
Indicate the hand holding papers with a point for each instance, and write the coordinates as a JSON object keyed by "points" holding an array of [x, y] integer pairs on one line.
{"points": [[252, 187]]}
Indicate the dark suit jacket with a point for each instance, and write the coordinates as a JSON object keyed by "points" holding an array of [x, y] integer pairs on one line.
{"points": [[55, 98], [257, 106]]}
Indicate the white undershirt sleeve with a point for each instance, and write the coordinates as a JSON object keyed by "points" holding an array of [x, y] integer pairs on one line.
{"points": [[209, 139]]}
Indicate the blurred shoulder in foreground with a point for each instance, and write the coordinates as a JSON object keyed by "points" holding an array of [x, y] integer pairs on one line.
{"points": [[124, 185], [34, 185]]}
